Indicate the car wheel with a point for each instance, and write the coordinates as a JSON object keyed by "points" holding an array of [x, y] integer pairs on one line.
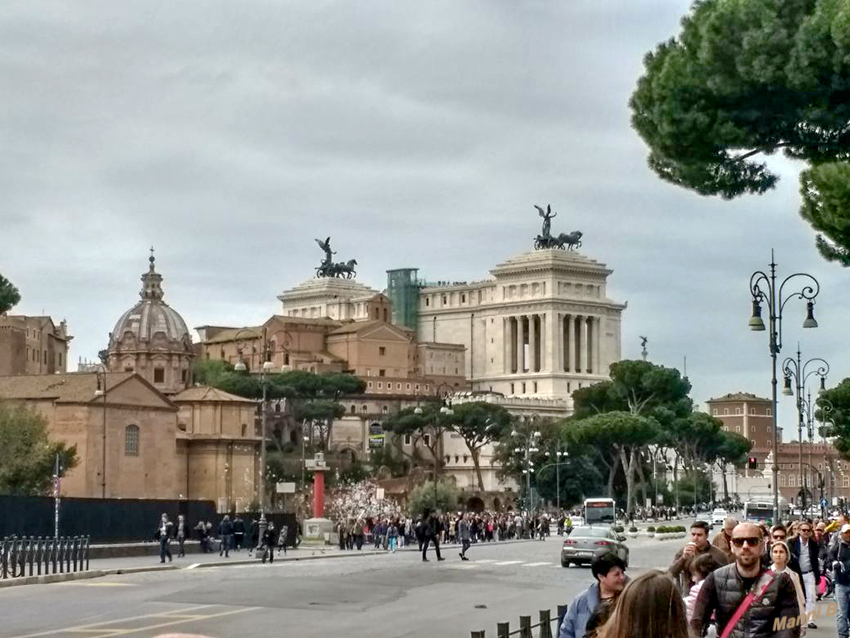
{"points": [[565, 563]]}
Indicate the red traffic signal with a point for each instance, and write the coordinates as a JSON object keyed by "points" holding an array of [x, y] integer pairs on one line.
{"points": [[752, 463]]}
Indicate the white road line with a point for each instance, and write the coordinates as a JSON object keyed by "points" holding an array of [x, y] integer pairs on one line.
{"points": [[485, 560], [509, 562], [537, 564]]}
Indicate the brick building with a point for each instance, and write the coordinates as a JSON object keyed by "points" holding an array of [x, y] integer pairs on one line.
{"points": [[33, 345]]}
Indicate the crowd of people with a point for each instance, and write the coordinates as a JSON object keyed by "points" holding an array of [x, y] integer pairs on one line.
{"points": [[750, 580], [392, 532], [231, 535]]}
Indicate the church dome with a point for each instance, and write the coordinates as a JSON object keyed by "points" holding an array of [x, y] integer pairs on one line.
{"points": [[152, 320]]}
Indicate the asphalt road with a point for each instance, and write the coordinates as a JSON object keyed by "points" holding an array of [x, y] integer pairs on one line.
{"points": [[370, 596]]}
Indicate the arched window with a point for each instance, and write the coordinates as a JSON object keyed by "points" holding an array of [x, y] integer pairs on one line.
{"points": [[353, 409], [131, 440], [364, 409], [769, 412]]}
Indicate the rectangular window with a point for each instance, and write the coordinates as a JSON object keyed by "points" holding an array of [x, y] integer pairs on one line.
{"points": [[408, 439], [426, 438], [463, 299], [382, 373], [512, 388], [45, 357], [417, 387], [382, 350], [184, 374], [845, 481], [535, 387], [781, 480], [159, 375], [523, 387], [398, 386], [60, 359], [408, 387], [369, 384]]}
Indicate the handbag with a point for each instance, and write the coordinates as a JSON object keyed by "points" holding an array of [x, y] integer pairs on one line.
{"points": [[747, 603]]}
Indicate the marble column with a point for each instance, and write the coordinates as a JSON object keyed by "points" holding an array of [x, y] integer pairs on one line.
{"points": [[571, 342], [520, 344], [597, 342], [556, 335], [532, 343], [582, 367], [506, 345]]}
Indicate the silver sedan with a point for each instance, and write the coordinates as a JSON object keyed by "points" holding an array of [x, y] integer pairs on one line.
{"points": [[586, 542]]}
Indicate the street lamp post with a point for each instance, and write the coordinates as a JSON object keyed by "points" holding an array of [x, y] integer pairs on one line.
{"points": [[799, 371], [557, 464], [529, 447], [101, 392], [267, 366], [763, 289]]}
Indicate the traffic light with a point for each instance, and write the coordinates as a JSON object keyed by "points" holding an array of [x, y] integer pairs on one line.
{"points": [[752, 463], [59, 466]]}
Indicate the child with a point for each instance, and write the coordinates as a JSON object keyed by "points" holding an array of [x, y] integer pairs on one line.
{"points": [[699, 567]]}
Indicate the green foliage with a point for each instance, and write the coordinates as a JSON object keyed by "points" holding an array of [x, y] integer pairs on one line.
{"points": [[26, 454], [618, 528], [407, 422], [479, 423], [9, 295], [633, 529], [424, 498], [211, 371], [825, 189], [744, 79], [383, 458], [650, 529], [838, 399]]}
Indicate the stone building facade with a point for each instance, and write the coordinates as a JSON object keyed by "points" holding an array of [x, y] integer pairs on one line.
{"points": [[543, 325], [33, 345]]}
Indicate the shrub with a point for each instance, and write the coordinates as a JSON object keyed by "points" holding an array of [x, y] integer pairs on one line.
{"points": [[633, 529], [618, 528], [681, 528], [650, 529]]}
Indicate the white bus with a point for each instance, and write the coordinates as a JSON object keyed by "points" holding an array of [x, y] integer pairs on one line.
{"points": [[761, 510], [599, 511]]}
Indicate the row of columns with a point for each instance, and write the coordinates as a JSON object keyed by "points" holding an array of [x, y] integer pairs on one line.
{"points": [[576, 341]]}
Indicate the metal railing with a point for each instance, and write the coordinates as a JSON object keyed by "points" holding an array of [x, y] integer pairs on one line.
{"points": [[526, 629], [43, 555]]}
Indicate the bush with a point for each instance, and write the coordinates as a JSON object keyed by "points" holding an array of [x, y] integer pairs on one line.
{"points": [[619, 529], [633, 529], [681, 528], [650, 529], [424, 498]]}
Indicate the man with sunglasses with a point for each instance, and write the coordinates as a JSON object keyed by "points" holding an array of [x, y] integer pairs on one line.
{"points": [[839, 561], [757, 602], [805, 550]]}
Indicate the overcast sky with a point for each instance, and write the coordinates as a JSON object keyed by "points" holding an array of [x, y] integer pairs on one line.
{"points": [[230, 134]]}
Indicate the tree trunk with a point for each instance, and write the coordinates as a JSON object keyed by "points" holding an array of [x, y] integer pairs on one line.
{"points": [[475, 462], [725, 484], [676, 478], [641, 478], [627, 461]]}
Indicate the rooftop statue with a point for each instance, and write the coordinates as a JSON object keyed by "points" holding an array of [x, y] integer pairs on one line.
{"points": [[330, 269], [563, 241]]}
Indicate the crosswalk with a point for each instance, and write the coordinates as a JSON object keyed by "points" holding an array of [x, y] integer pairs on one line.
{"points": [[492, 562]]}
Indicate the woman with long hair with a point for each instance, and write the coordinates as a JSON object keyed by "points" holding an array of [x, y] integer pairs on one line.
{"points": [[649, 607]]}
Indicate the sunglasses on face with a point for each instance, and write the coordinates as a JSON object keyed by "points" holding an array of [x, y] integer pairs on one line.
{"points": [[805, 530], [752, 541], [779, 537]]}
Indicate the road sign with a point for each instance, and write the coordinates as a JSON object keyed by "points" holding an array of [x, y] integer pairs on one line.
{"points": [[823, 502], [285, 488], [380, 494]]}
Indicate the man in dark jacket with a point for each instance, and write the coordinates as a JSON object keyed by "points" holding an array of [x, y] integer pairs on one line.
{"points": [[269, 539], [163, 535], [805, 550], [699, 545], [238, 532], [225, 533], [773, 610], [432, 528], [464, 534], [838, 560]]}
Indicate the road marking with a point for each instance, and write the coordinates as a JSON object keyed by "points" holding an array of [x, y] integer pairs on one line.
{"points": [[509, 562], [194, 566], [112, 622], [127, 632], [537, 564], [485, 560], [462, 566]]}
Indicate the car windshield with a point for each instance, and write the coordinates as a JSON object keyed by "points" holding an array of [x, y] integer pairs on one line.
{"points": [[593, 532]]}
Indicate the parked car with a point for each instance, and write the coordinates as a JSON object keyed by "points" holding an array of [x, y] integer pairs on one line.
{"points": [[586, 542]]}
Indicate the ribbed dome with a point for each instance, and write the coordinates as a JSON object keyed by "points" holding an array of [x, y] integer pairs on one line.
{"points": [[149, 317], [152, 316]]}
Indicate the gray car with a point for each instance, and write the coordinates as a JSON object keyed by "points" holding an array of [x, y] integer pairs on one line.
{"points": [[588, 541]]}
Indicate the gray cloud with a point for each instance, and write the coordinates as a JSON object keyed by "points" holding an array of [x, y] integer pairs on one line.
{"points": [[229, 135]]}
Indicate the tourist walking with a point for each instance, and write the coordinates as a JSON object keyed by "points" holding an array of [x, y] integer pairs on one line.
{"points": [[238, 532], [181, 533], [609, 574], [464, 533], [699, 545], [839, 560], [649, 607], [745, 598], [225, 534], [780, 556], [805, 551], [432, 529], [269, 537], [163, 535]]}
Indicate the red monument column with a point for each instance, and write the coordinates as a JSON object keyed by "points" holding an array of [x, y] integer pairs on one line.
{"points": [[318, 493], [318, 528]]}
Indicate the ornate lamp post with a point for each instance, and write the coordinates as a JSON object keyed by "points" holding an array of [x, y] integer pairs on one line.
{"points": [[763, 288], [101, 392], [528, 448], [267, 366], [798, 371], [557, 463]]}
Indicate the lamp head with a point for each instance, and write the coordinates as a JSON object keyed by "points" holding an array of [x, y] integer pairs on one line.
{"points": [[756, 322], [786, 389], [286, 368], [810, 321], [240, 367], [268, 366], [417, 410], [822, 385]]}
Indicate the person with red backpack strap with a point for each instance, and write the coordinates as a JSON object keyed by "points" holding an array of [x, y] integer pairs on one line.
{"points": [[748, 599]]}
